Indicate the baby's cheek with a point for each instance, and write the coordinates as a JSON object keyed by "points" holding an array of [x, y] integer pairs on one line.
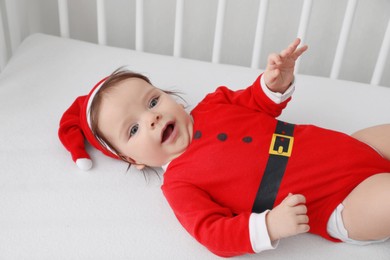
{"points": [[150, 156]]}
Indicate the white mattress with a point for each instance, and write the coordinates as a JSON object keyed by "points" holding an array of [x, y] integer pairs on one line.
{"points": [[49, 209]]}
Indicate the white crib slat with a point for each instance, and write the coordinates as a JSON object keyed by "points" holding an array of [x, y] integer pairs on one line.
{"points": [[14, 28], [139, 25], [101, 22], [304, 20], [219, 31], [382, 57], [346, 28], [63, 16], [3, 43], [177, 44], [258, 43], [303, 24]]}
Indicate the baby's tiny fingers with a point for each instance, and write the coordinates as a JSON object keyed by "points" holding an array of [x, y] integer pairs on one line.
{"points": [[299, 51], [295, 200], [303, 228], [291, 48], [302, 219], [300, 209], [274, 59]]}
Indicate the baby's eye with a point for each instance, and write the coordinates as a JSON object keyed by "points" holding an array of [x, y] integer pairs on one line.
{"points": [[133, 130], [153, 102]]}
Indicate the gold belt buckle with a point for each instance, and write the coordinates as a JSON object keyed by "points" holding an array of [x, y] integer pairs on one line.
{"points": [[281, 145]]}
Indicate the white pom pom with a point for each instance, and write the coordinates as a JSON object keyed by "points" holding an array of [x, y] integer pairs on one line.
{"points": [[84, 164]]}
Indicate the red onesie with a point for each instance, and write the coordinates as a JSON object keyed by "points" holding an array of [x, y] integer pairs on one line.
{"points": [[212, 186]]}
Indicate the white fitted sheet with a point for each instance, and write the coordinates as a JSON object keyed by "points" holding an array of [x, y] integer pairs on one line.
{"points": [[49, 209]]}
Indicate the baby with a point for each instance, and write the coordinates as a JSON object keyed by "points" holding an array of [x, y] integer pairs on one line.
{"points": [[238, 179]]}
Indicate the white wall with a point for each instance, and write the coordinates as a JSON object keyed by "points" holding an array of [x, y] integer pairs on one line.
{"points": [[282, 22]]}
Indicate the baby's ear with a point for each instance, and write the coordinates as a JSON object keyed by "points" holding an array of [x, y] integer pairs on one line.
{"points": [[139, 167], [132, 162]]}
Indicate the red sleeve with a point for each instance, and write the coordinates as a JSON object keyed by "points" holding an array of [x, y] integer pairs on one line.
{"points": [[252, 97], [216, 227]]}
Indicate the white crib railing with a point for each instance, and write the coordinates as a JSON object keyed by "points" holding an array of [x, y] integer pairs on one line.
{"points": [[63, 16], [11, 31], [382, 57], [3, 44]]}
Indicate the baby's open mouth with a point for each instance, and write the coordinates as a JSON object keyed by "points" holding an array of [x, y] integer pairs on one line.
{"points": [[167, 131]]}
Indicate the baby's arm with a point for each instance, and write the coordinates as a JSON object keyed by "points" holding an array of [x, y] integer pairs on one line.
{"points": [[213, 225], [290, 216], [279, 72], [228, 234]]}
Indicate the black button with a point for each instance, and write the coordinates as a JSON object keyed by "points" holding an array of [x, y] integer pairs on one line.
{"points": [[222, 137], [198, 134], [247, 139]]}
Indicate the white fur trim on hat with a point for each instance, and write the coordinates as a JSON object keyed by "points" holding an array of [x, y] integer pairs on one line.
{"points": [[84, 164]]}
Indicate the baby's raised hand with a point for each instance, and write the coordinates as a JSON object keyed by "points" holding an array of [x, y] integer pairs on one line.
{"points": [[279, 72], [289, 218]]}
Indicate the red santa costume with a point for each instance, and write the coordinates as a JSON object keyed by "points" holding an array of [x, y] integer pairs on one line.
{"points": [[213, 186], [241, 162]]}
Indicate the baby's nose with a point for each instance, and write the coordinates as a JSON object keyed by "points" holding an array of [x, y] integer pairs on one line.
{"points": [[154, 119]]}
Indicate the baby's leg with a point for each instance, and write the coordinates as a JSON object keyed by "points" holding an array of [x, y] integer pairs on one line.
{"points": [[366, 213], [376, 136]]}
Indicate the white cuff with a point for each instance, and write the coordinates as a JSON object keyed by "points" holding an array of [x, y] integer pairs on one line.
{"points": [[258, 233], [275, 96]]}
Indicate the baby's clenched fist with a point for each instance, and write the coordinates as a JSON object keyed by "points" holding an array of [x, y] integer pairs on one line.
{"points": [[289, 218]]}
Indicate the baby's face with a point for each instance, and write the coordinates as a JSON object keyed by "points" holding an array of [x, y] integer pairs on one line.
{"points": [[146, 125]]}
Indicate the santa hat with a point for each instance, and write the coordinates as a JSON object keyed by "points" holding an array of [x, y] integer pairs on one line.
{"points": [[75, 127]]}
